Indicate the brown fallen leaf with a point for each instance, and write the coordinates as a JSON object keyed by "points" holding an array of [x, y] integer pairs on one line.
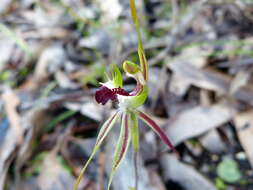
{"points": [[111, 10], [53, 175], [6, 49], [88, 108], [156, 180], [195, 56], [50, 15], [184, 174], [182, 26], [33, 130], [213, 142], [210, 80], [29, 184], [241, 79], [5, 5], [244, 128], [198, 120], [8, 148], [48, 32], [14, 135], [47, 63], [11, 101], [64, 81]]}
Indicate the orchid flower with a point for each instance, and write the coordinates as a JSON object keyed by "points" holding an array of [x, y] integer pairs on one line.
{"points": [[128, 104]]}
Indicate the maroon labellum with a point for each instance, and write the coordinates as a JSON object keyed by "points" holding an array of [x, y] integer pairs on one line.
{"points": [[103, 94]]}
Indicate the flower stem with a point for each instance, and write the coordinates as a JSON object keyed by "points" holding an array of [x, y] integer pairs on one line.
{"points": [[136, 170]]}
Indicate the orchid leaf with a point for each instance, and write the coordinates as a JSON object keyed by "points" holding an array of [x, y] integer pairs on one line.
{"points": [[134, 131], [116, 76], [102, 134], [121, 147], [151, 123], [141, 53]]}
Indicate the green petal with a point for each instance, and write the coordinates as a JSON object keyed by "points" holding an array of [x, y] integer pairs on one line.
{"points": [[102, 134], [116, 76], [121, 147], [134, 131], [107, 126]]}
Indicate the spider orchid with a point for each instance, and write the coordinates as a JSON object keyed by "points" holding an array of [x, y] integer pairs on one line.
{"points": [[128, 104]]}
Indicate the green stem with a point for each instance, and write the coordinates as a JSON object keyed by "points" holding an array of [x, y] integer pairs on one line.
{"points": [[136, 170]]}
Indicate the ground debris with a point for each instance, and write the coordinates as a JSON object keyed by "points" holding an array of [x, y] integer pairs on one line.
{"points": [[55, 53]]}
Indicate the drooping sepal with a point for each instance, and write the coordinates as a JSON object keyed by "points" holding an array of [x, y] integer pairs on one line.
{"points": [[151, 123], [107, 126], [101, 136]]}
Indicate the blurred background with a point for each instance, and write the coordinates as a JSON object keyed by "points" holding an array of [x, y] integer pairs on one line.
{"points": [[53, 54]]}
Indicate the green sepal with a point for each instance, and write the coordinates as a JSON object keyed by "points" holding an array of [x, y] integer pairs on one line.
{"points": [[134, 12], [134, 131], [121, 147], [141, 52], [107, 126]]}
